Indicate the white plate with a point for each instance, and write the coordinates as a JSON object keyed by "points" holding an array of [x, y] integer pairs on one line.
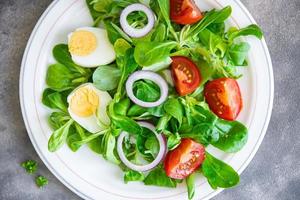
{"points": [[86, 173]]}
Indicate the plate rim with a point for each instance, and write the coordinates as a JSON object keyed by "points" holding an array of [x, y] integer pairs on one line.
{"points": [[70, 186]]}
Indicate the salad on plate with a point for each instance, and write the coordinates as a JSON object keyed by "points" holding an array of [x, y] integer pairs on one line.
{"points": [[149, 86]]}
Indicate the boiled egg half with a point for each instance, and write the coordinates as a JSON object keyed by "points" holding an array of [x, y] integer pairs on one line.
{"points": [[90, 47], [87, 106]]}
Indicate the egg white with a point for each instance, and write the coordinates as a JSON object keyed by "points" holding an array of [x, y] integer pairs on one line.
{"points": [[93, 124], [102, 55]]}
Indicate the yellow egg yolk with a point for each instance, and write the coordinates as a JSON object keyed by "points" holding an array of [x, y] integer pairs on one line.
{"points": [[82, 43], [84, 102]]}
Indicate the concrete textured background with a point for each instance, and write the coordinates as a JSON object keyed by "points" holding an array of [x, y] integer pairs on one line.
{"points": [[274, 173]]}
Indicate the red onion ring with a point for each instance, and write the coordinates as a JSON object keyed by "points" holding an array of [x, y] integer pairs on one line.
{"points": [[134, 32], [149, 75], [155, 162]]}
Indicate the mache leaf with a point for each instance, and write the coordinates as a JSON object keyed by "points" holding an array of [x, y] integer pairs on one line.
{"points": [[107, 77], [59, 136], [237, 53], [233, 136], [174, 108], [252, 29], [131, 175], [218, 173], [158, 177], [148, 53], [190, 183]]}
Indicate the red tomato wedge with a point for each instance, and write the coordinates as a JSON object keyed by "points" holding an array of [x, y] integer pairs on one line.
{"points": [[184, 12], [185, 159], [185, 74], [224, 98]]}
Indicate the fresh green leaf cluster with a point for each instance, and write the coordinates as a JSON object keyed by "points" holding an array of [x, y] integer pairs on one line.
{"points": [[206, 128], [107, 10], [222, 51], [65, 74]]}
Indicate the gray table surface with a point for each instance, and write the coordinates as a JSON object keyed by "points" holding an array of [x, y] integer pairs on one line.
{"points": [[274, 173]]}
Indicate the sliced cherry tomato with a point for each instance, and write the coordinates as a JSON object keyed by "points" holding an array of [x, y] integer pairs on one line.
{"points": [[185, 159], [224, 98], [185, 74], [184, 12]]}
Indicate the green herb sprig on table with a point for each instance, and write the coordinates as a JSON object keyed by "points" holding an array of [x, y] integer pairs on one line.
{"points": [[31, 167], [41, 181]]}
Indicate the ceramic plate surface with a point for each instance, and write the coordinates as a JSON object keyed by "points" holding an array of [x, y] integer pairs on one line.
{"points": [[88, 174]]}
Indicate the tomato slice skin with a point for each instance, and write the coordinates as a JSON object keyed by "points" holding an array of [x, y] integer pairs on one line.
{"points": [[185, 159], [186, 75], [184, 12], [224, 98]]}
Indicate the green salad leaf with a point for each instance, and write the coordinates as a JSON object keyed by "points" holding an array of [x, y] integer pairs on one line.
{"points": [[107, 77], [252, 29], [72, 140], [160, 33], [204, 133], [210, 17], [58, 119], [95, 145], [131, 175], [158, 177], [140, 113], [107, 9], [165, 10], [114, 32], [218, 173], [147, 143], [125, 62], [62, 55], [122, 106], [233, 136], [89, 138], [238, 53], [127, 124], [190, 183], [137, 19], [163, 122], [173, 141], [65, 74], [102, 6], [174, 108], [109, 145], [217, 28], [215, 44], [55, 100], [146, 91], [59, 136], [148, 53], [60, 78], [95, 14]]}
